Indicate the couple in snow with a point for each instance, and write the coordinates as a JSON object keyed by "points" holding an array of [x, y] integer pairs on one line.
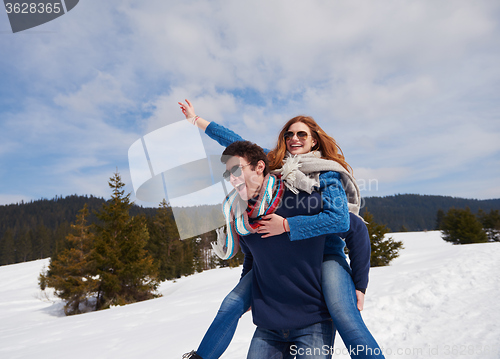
{"points": [[292, 211]]}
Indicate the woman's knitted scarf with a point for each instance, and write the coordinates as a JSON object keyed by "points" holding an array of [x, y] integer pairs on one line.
{"points": [[301, 172], [237, 211]]}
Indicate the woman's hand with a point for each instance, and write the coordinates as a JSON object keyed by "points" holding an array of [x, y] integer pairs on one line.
{"points": [[272, 225], [187, 109]]}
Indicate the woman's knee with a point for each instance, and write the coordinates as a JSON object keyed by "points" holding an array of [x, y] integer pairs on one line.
{"points": [[238, 300]]}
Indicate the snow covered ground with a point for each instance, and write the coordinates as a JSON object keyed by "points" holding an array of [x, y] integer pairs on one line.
{"points": [[435, 301]]}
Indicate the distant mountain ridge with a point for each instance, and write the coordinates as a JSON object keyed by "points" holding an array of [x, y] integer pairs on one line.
{"points": [[34, 228], [417, 212]]}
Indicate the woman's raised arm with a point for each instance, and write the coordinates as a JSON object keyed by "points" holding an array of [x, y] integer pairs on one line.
{"points": [[216, 132], [188, 111]]}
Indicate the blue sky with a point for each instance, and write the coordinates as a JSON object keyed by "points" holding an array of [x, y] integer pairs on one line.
{"points": [[409, 89]]}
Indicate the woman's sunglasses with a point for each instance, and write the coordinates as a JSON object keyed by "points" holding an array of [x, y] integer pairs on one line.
{"points": [[235, 171], [302, 135]]}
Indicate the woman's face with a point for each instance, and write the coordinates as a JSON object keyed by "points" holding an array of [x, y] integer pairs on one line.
{"points": [[297, 142]]}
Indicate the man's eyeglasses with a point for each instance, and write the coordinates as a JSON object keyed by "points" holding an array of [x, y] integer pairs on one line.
{"points": [[235, 171], [302, 135]]}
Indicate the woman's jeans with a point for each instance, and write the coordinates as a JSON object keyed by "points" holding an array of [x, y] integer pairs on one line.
{"points": [[340, 297], [311, 342], [220, 333]]}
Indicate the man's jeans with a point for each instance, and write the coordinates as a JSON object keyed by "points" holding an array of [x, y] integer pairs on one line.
{"points": [[311, 342], [340, 298]]}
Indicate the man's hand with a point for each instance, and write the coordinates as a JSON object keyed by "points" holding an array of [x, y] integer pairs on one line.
{"points": [[272, 225], [361, 299]]}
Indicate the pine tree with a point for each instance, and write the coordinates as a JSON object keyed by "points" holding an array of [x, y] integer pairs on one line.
{"points": [[71, 274], [126, 272], [41, 242], [403, 228], [384, 249], [491, 224], [439, 219], [460, 226], [187, 262], [59, 238], [185, 223], [164, 243], [7, 248], [208, 259], [24, 248]]}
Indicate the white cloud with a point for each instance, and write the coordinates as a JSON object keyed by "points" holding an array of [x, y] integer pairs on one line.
{"points": [[103, 90], [409, 89]]}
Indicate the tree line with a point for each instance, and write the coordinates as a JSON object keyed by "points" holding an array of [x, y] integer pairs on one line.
{"points": [[413, 212], [34, 230]]}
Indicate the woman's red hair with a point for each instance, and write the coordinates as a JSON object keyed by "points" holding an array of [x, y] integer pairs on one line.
{"points": [[329, 148]]}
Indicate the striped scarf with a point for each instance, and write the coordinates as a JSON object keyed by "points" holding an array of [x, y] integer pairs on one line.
{"points": [[237, 212]]}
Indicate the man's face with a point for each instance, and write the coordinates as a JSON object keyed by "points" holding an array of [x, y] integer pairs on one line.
{"points": [[242, 177]]}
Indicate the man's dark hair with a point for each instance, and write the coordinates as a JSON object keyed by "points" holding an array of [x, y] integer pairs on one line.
{"points": [[248, 150]]}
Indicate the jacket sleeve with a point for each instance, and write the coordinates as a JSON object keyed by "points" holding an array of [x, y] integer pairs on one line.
{"points": [[334, 217], [248, 261], [223, 136], [358, 242]]}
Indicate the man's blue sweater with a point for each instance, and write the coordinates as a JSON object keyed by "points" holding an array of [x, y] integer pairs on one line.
{"points": [[286, 283]]}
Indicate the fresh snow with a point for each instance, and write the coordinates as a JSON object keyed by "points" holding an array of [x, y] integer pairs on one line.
{"points": [[436, 300]]}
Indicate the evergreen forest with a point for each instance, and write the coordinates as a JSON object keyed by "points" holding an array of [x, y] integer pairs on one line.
{"points": [[38, 229], [414, 212]]}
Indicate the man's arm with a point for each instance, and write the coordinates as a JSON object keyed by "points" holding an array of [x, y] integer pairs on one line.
{"points": [[248, 261]]}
